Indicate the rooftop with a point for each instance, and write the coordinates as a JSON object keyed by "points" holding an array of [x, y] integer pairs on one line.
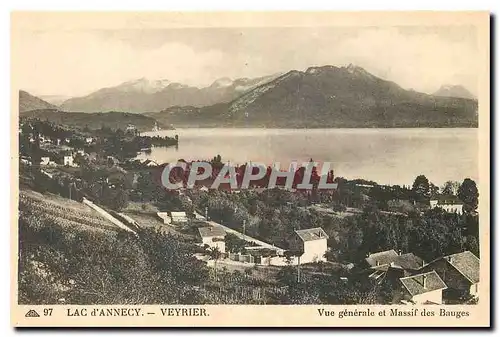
{"points": [[178, 214], [408, 261], [312, 234], [466, 263], [447, 200], [211, 231], [423, 283], [381, 258]]}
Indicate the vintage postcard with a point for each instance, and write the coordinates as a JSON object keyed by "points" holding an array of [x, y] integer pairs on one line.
{"points": [[250, 169]]}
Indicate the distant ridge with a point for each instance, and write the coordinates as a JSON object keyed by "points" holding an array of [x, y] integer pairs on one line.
{"points": [[114, 120], [145, 95], [454, 91], [328, 96]]}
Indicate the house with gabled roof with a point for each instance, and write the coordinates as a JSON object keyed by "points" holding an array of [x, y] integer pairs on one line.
{"points": [[311, 243], [381, 258], [408, 261], [213, 237], [459, 271], [423, 288], [392, 266]]}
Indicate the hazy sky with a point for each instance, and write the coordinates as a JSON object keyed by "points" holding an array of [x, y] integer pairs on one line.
{"points": [[75, 63]]}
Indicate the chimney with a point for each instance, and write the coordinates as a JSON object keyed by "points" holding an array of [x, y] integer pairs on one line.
{"points": [[424, 283], [399, 251]]}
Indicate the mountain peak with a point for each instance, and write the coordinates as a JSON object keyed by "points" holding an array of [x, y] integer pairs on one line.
{"points": [[28, 102], [357, 70], [449, 90], [222, 82], [144, 84]]}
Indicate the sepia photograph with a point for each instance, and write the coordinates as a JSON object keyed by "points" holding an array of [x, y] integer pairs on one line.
{"points": [[188, 161]]}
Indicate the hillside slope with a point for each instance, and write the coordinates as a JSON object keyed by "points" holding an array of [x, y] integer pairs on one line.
{"points": [[344, 97], [29, 102], [113, 120]]}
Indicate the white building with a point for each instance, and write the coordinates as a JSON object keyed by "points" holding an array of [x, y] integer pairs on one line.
{"points": [[131, 128], [173, 218], [68, 160], [213, 237], [44, 161], [450, 205], [165, 217], [178, 218], [312, 243]]}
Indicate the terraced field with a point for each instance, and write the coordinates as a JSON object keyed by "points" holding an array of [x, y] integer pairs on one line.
{"points": [[63, 212]]}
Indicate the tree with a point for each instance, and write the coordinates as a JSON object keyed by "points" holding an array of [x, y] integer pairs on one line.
{"points": [[468, 193], [433, 190], [421, 188], [115, 198], [215, 254], [234, 244], [450, 187]]}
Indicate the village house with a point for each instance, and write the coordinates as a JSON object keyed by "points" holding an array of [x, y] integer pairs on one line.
{"points": [[450, 204], [213, 237], [149, 163], [25, 160], [378, 263], [424, 288], [44, 161], [173, 218], [112, 160], [381, 258], [165, 217], [179, 218], [131, 128], [390, 265], [68, 160], [312, 243], [460, 272], [89, 140]]}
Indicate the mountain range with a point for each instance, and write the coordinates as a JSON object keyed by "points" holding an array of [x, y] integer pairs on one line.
{"points": [[145, 95], [326, 96], [34, 107]]}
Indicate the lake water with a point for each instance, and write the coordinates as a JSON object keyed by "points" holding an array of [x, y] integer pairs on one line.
{"points": [[387, 156]]}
